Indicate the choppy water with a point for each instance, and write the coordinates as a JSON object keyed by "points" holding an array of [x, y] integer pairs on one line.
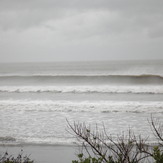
{"points": [[37, 98]]}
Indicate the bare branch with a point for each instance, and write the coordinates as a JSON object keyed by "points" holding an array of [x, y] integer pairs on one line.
{"points": [[124, 149], [157, 128]]}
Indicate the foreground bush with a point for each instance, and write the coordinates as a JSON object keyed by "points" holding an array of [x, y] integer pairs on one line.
{"points": [[6, 158], [103, 148]]}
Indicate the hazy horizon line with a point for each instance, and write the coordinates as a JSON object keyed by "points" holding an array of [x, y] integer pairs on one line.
{"points": [[85, 61]]}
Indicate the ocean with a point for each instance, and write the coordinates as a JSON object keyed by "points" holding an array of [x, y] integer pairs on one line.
{"points": [[37, 99]]}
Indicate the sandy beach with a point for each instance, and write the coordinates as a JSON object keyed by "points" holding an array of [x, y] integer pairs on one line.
{"points": [[44, 153]]}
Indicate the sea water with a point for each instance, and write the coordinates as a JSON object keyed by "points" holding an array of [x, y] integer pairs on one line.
{"points": [[37, 99]]}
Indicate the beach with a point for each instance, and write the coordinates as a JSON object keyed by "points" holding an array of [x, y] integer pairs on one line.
{"points": [[43, 153]]}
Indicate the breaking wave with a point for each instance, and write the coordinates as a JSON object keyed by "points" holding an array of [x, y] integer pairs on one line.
{"points": [[84, 89], [98, 79]]}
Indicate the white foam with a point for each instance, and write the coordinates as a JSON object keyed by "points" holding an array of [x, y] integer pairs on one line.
{"points": [[85, 89], [84, 106]]}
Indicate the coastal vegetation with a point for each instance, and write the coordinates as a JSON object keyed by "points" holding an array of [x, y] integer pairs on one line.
{"points": [[6, 158], [100, 147]]}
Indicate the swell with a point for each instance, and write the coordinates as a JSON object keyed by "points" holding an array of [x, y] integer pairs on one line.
{"points": [[91, 78]]}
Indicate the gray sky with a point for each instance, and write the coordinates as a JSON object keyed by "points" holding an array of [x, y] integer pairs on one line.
{"points": [[69, 30]]}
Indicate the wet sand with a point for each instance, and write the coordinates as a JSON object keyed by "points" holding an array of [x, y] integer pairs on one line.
{"points": [[44, 153]]}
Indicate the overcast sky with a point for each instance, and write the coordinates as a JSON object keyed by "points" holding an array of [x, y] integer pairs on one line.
{"points": [[70, 30]]}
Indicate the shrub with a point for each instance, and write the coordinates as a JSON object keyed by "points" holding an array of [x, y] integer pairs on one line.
{"points": [[6, 158], [157, 155], [102, 148]]}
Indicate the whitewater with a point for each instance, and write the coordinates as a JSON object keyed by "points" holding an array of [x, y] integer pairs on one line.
{"points": [[37, 99]]}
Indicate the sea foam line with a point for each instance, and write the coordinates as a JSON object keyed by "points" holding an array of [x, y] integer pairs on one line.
{"points": [[84, 89], [84, 106]]}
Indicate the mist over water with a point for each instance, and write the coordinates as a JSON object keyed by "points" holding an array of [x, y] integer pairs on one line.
{"points": [[37, 98]]}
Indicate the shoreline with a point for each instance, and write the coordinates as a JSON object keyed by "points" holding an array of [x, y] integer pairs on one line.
{"points": [[43, 153]]}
